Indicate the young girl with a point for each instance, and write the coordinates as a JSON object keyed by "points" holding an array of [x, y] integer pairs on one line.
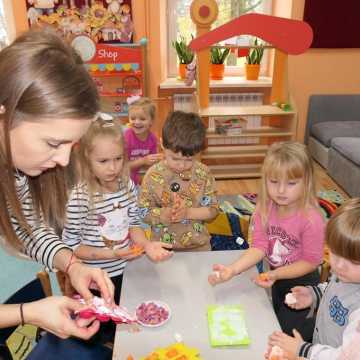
{"points": [[336, 335], [288, 230], [102, 213], [141, 143], [47, 102]]}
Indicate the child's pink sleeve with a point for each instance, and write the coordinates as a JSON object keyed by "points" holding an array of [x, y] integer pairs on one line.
{"points": [[153, 144], [127, 138], [259, 236], [313, 237]]}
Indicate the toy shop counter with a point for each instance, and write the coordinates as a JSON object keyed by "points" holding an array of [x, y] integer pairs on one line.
{"points": [[194, 327]]}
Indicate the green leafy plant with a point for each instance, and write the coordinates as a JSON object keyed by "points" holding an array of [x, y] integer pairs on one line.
{"points": [[184, 53], [218, 55], [255, 53]]}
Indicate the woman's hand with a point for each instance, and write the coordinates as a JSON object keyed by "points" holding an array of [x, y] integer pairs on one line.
{"points": [[158, 251], [221, 273], [84, 277], [54, 314], [303, 297]]}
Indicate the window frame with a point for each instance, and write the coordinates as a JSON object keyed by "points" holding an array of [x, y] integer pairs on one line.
{"points": [[230, 70]]}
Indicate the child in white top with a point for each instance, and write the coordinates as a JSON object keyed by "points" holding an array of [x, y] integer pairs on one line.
{"points": [[288, 231], [102, 214]]}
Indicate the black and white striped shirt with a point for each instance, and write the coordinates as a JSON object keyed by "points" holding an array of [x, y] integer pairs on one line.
{"points": [[84, 227], [42, 244]]}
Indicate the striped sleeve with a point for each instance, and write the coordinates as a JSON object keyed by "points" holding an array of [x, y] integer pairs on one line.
{"points": [[77, 211], [42, 244], [133, 211], [305, 349]]}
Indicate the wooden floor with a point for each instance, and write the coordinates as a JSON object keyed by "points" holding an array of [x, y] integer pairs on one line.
{"points": [[233, 187]]}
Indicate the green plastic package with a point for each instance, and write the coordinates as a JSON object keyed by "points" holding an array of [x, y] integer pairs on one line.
{"points": [[227, 325]]}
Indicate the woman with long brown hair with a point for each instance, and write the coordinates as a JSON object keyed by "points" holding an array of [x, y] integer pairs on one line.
{"points": [[47, 102]]}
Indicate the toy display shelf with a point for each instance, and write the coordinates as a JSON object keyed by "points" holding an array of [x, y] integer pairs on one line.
{"points": [[243, 111], [233, 155], [119, 94], [115, 73]]}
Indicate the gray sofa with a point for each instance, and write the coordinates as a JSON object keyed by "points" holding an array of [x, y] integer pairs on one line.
{"points": [[333, 137]]}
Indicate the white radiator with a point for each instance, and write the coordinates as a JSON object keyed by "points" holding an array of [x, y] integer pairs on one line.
{"points": [[184, 102]]}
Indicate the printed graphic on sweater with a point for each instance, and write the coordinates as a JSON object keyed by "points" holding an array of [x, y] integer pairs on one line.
{"points": [[338, 312], [282, 246], [114, 226]]}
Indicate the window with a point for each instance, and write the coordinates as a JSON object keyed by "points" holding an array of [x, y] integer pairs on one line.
{"points": [[180, 23], [4, 39]]}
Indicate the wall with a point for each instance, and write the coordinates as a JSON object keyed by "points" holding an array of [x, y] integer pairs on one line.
{"points": [[321, 71], [150, 22], [19, 11], [317, 71]]}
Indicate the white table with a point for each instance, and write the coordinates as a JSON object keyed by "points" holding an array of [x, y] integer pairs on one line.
{"points": [[182, 283]]}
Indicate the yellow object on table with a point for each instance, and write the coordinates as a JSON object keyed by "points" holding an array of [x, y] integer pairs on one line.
{"points": [[177, 351]]}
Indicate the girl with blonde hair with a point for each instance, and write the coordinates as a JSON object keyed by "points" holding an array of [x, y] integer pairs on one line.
{"points": [[103, 225], [102, 214], [287, 231]]}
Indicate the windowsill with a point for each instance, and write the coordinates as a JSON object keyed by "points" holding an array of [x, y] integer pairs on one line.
{"points": [[227, 82]]}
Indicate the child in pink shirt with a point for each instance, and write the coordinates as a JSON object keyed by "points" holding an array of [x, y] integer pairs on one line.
{"points": [[288, 231], [141, 143]]}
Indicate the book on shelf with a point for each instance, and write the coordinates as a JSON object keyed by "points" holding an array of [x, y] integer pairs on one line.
{"points": [[227, 125]]}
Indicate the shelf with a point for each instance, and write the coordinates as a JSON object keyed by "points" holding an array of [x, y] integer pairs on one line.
{"points": [[255, 132], [264, 110], [115, 73], [226, 82], [232, 171], [234, 152], [119, 94]]}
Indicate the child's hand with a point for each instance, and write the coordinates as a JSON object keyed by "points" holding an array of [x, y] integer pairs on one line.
{"points": [[221, 273], [265, 280], [285, 355], [129, 254], [158, 251], [165, 215], [179, 210], [303, 297], [152, 159], [289, 344], [179, 214]]}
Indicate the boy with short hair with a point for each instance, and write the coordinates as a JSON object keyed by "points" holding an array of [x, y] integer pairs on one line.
{"points": [[178, 193], [338, 302]]}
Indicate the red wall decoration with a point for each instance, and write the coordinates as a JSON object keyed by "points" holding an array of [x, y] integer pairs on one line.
{"points": [[335, 23], [105, 21]]}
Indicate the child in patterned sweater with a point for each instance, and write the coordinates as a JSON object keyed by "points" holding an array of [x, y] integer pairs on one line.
{"points": [[178, 193]]}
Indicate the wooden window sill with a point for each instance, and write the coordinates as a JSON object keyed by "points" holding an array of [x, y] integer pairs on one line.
{"points": [[227, 82]]}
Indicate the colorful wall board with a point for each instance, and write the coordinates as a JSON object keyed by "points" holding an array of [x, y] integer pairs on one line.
{"points": [[102, 20], [117, 70]]}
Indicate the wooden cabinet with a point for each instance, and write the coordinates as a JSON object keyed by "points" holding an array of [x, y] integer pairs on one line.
{"points": [[241, 155]]}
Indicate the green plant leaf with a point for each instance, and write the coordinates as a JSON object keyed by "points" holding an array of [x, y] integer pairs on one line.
{"points": [[218, 55], [183, 52]]}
